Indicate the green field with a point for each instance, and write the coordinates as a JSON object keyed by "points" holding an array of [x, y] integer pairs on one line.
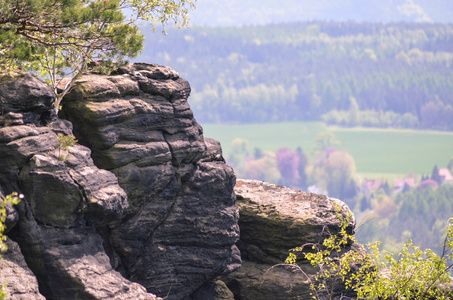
{"points": [[377, 153]]}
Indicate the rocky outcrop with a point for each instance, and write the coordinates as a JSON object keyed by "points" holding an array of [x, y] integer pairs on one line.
{"points": [[21, 283], [181, 225], [142, 204], [274, 219], [66, 199]]}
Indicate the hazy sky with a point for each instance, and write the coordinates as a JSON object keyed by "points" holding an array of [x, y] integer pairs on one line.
{"points": [[257, 12]]}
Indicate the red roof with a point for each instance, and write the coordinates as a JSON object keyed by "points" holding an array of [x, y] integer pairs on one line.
{"points": [[372, 184], [399, 182], [445, 174], [428, 182]]}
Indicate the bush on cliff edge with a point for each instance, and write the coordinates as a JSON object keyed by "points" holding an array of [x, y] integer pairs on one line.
{"points": [[375, 274]]}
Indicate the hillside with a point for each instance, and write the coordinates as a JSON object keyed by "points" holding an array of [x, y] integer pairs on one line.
{"points": [[395, 74], [259, 12]]}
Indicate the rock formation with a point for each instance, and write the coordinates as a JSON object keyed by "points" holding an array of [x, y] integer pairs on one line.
{"points": [[66, 199], [181, 225], [274, 219], [143, 204], [155, 212], [21, 283]]}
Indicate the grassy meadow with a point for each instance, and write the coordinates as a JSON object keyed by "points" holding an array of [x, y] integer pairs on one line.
{"points": [[378, 153]]}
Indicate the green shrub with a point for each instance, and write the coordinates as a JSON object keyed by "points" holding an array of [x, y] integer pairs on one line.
{"points": [[375, 274], [14, 199], [66, 141]]}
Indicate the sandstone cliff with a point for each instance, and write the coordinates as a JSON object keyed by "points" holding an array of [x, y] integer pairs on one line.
{"points": [[143, 204], [150, 208]]}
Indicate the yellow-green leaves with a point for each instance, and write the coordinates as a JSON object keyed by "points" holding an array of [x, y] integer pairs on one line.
{"points": [[66, 141], [375, 274], [13, 199]]}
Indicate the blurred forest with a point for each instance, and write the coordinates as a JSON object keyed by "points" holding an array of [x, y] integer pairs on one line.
{"points": [[346, 73], [415, 206]]}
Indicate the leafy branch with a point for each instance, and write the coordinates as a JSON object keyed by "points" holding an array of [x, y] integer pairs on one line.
{"points": [[12, 199], [59, 38], [375, 274]]}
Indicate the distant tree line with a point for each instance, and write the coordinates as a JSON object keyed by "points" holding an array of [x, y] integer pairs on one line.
{"points": [[399, 74], [332, 171], [386, 214], [418, 213]]}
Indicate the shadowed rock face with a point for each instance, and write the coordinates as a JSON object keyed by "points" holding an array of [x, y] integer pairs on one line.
{"points": [[157, 203], [66, 198], [275, 218], [181, 224]]}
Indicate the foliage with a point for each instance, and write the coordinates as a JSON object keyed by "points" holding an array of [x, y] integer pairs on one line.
{"points": [[327, 256], [288, 164], [450, 165], [59, 38], [263, 168], [335, 171], [437, 115], [325, 140], [303, 164], [12, 199], [239, 146], [418, 214], [409, 274], [66, 141], [370, 118], [300, 71]]}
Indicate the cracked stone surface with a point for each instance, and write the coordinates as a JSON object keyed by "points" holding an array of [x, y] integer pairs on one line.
{"points": [[21, 284], [67, 200], [143, 204], [181, 225], [274, 219]]}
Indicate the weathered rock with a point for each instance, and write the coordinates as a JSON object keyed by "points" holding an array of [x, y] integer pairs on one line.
{"points": [[21, 283], [181, 225], [23, 94], [268, 282], [66, 197], [274, 219], [213, 290], [72, 264]]}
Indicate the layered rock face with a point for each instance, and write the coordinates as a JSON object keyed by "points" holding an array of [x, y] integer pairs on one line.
{"points": [[143, 204], [66, 199], [21, 284], [274, 219], [181, 225], [157, 204]]}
